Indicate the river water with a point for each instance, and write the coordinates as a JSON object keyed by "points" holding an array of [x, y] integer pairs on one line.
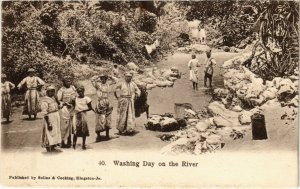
{"points": [[22, 134]]}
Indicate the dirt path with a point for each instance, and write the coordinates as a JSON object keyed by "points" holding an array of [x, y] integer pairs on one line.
{"points": [[24, 134]]}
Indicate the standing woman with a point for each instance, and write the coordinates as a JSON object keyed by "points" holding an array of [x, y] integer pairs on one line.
{"points": [[103, 108], [51, 135], [66, 95], [80, 126], [32, 96], [6, 98], [126, 114]]}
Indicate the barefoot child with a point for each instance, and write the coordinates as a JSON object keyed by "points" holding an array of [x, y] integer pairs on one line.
{"points": [[80, 126]]}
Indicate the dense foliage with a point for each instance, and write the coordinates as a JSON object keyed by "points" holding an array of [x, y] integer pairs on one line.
{"points": [[55, 37]]}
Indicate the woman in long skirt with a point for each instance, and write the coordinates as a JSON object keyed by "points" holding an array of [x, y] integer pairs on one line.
{"points": [[32, 97], [103, 109], [51, 135], [6, 98], [66, 95]]}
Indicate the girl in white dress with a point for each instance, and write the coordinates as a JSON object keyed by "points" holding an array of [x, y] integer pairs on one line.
{"points": [[80, 125]]}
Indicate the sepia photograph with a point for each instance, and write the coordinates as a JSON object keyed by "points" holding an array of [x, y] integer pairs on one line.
{"points": [[149, 93]]}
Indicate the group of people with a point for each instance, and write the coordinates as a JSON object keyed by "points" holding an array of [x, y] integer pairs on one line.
{"points": [[64, 111], [208, 70]]}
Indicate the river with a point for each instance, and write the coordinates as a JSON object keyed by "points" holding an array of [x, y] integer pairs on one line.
{"points": [[23, 134]]}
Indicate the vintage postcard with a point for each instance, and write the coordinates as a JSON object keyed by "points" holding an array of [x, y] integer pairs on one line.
{"points": [[149, 93]]}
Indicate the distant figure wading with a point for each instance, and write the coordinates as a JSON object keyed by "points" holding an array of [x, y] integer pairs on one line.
{"points": [[209, 70], [193, 66]]}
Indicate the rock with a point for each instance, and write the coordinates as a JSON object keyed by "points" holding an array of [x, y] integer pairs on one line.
{"points": [[172, 79], [256, 110], [202, 126], [294, 77], [270, 93], [276, 82], [295, 101], [245, 117], [153, 123], [132, 66], [220, 93], [237, 108], [168, 124], [287, 82], [182, 145], [226, 48], [235, 134], [286, 93], [165, 83], [190, 111], [147, 80], [216, 108], [214, 139], [221, 122], [150, 86], [192, 121]]}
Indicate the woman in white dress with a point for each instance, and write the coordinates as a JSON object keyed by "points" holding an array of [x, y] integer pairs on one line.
{"points": [[51, 134]]}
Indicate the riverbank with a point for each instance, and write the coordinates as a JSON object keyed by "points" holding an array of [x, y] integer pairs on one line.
{"points": [[24, 134]]}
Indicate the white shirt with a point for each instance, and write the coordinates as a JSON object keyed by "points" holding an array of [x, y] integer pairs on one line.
{"points": [[82, 103]]}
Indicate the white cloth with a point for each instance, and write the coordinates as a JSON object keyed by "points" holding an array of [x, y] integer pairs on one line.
{"points": [[202, 34], [49, 108], [193, 65], [82, 103]]}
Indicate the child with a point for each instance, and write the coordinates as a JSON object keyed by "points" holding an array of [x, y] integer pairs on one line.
{"points": [[80, 126], [6, 99]]}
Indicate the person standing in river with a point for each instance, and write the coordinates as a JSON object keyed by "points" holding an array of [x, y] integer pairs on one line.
{"points": [[6, 98], [103, 108], [209, 70], [66, 96], [193, 67], [32, 96], [126, 113]]}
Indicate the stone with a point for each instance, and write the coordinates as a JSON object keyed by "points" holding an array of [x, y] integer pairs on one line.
{"points": [[168, 124], [132, 66], [214, 139], [245, 117], [286, 93], [150, 86], [182, 145], [202, 126], [221, 122], [237, 108]]}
